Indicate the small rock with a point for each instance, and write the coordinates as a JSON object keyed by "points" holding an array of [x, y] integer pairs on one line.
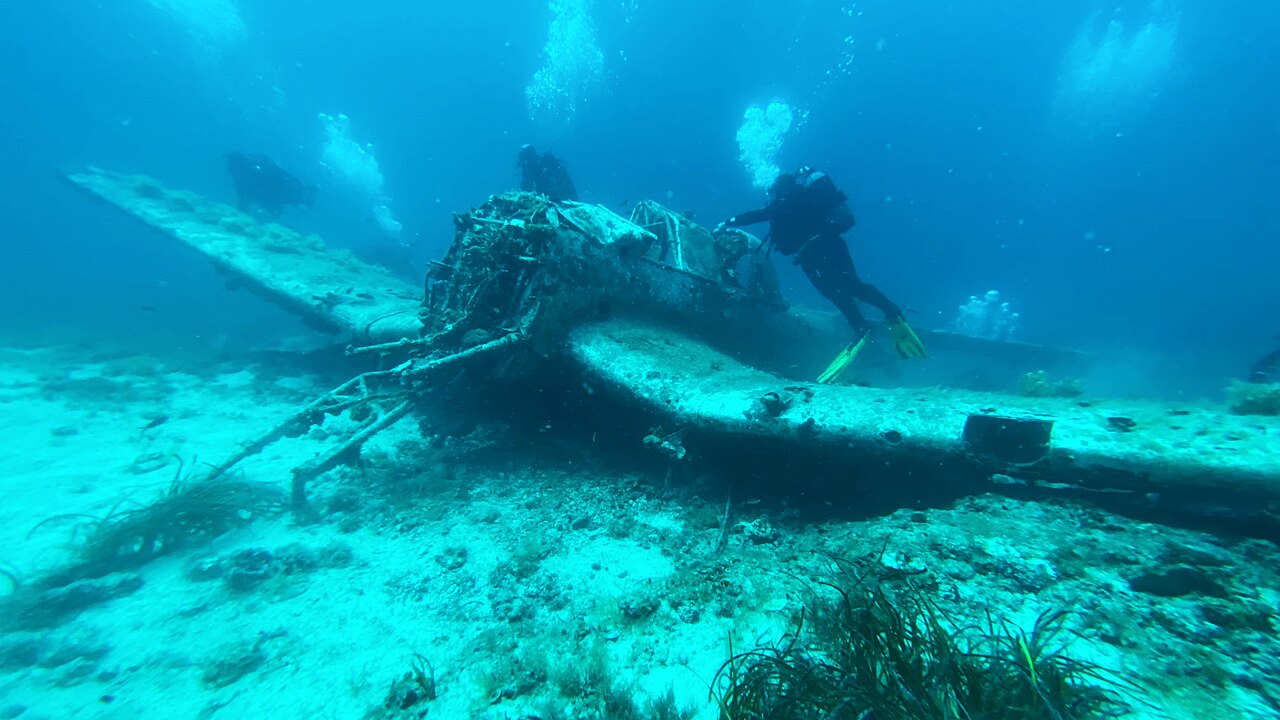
{"points": [[1195, 556], [760, 532], [345, 500], [76, 672], [210, 567], [638, 608], [1177, 582], [70, 652], [235, 664], [1239, 615], [336, 554], [60, 604], [452, 558], [237, 660], [299, 558], [898, 563], [149, 462], [688, 613], [246, 569], [1119, 423], [20, 652]]}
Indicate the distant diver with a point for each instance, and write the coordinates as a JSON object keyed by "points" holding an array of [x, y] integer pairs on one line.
{"points": [[544, 174], [1266, 370], [262, 185], [807, 215]]}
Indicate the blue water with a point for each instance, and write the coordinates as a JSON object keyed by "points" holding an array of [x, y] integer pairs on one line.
{"points": [[1120, 187]]}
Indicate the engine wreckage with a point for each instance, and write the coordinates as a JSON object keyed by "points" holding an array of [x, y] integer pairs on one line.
{"points": [[686, 328]]}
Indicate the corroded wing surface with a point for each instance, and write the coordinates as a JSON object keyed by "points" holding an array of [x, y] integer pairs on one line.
{"points": [[326, 285]]}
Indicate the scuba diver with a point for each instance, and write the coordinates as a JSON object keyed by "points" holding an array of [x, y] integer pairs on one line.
{"points": [[807, 214], [262, 185], [544, 174]]}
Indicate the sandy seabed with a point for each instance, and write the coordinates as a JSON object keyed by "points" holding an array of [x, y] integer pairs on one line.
{"points": [[523, 580]]}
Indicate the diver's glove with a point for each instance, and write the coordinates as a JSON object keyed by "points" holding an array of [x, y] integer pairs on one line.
{"points": [[844, 359], [721, 227], [905, 340]]}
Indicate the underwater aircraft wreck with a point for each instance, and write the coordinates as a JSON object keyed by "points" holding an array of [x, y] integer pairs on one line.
{"points": [[669, 324]]}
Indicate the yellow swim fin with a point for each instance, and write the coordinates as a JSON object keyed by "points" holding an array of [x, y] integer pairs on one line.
{"points": [[905, 340], [843, 360]]}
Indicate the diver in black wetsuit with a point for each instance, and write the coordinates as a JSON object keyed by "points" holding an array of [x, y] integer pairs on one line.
{"points": [[262, 185], [807, 215], [544, 174]]}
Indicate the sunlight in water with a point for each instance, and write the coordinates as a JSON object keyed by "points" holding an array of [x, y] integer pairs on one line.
{"points": [[214, 24], [1113, 69], [353, 165], [760, 139], [573, 65]]}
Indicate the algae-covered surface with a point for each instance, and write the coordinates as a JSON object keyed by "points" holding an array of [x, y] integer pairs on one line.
{"points": [[299, 271], [696, 385]]}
